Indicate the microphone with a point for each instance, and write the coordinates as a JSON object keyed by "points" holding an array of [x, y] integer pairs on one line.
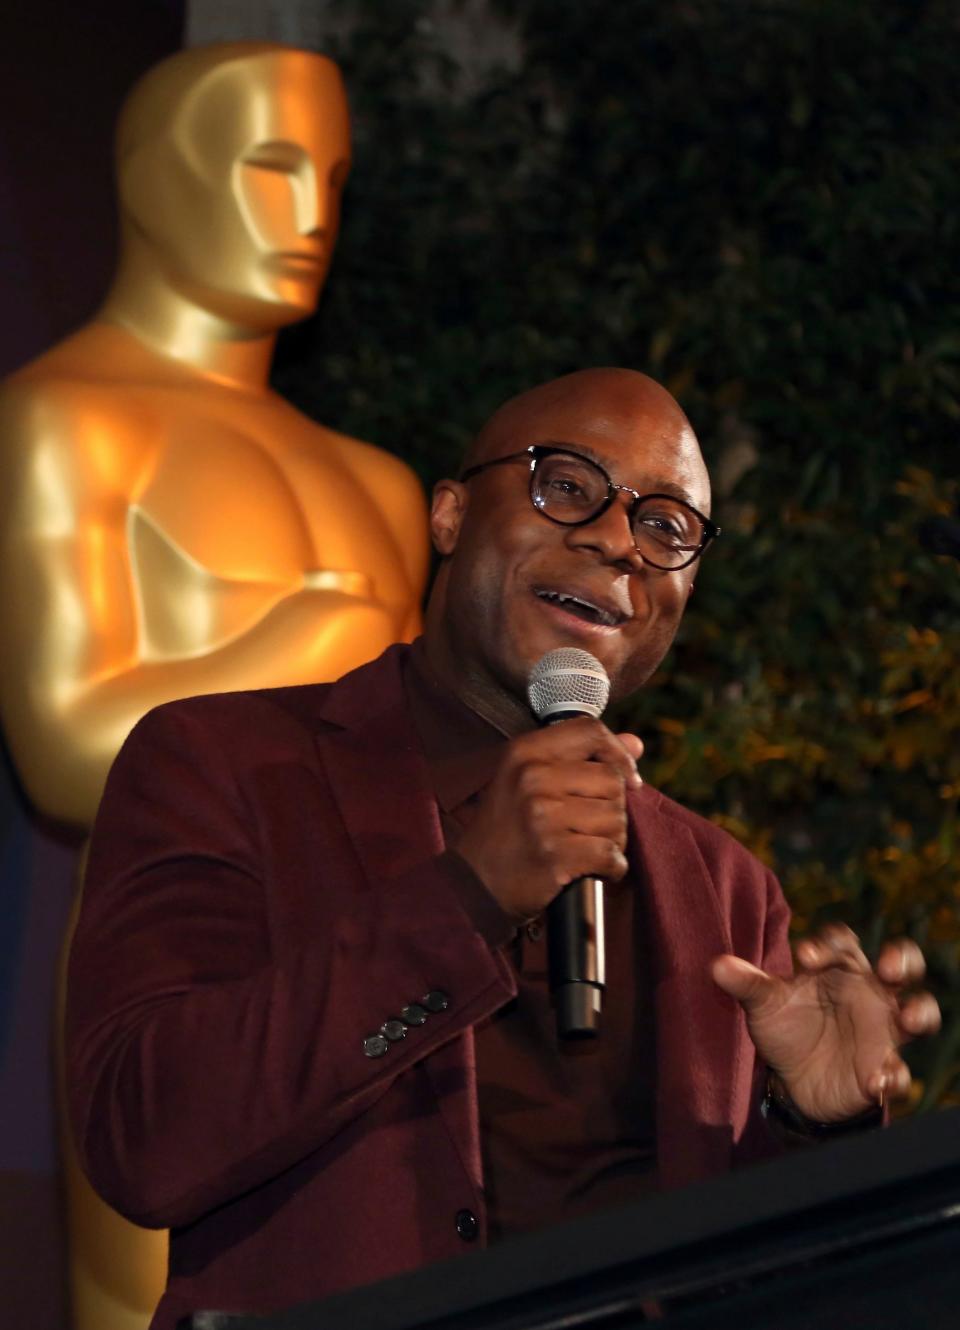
{"points": [[566, 683], [940, 535]]}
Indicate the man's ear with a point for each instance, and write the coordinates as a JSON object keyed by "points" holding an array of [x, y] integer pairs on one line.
{"points": [[447, 512]]}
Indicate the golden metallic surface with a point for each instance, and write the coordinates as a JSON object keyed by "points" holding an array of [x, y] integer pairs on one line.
{"points": [[168, 524]]}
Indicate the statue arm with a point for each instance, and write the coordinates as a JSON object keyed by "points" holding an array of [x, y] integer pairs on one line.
{"points": [[75, 677]]}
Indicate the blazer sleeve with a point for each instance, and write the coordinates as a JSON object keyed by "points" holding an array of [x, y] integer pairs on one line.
{"points": [[203, 1057]]}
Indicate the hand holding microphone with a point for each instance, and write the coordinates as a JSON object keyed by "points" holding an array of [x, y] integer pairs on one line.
{"points": [[555, 813]]}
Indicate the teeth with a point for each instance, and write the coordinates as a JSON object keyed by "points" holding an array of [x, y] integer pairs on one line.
{"points": [[602, 616]]}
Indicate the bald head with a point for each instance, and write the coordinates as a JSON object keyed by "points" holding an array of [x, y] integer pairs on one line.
{"points": [[600, 400]]}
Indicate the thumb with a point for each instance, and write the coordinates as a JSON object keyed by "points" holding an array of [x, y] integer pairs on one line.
{"points": [[743, 981]]}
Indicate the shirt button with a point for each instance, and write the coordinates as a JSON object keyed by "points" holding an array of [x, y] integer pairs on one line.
{"points": [[435, 1000], [413, 1014], [394, 1030], [374, 1046], [467, 1225], [534, 930]]}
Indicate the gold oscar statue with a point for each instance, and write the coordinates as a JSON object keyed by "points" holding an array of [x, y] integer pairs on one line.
{"points": [[168, 524]]}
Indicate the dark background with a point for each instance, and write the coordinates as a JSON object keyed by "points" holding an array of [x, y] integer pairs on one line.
{"points": [[65, 70], [756, 203]]}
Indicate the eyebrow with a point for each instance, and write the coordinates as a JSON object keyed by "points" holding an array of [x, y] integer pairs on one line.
{"points": [[584, 450]]}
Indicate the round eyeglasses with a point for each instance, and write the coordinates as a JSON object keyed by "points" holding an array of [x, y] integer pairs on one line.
{"points": [[570, 489]]}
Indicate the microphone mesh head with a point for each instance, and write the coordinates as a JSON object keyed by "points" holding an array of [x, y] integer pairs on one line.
{"points": [[567, 680]]}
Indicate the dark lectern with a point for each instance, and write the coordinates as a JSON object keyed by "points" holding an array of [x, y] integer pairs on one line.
{"points": [[860, 1234]]}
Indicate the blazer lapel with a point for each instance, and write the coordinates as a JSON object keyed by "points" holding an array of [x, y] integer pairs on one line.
{"points": [[379, 780], [700, 1031]]}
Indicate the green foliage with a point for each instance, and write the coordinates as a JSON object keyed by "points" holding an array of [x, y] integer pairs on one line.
{"points": [[758, 204]]}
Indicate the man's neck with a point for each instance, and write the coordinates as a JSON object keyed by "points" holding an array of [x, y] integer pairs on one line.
{"points": [[143, 302], [509, 714]]}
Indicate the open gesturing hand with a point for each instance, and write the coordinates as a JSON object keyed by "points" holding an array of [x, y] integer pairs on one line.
{"points": [[832, 1033]]}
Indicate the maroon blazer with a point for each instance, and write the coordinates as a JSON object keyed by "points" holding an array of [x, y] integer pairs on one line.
{"points": [[266, 886]]}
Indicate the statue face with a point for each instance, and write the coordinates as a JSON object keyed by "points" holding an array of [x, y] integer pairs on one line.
{"points": [[240, 202]]}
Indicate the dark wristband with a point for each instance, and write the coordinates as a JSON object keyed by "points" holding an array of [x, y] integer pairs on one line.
{"points": [[778, 1108]]}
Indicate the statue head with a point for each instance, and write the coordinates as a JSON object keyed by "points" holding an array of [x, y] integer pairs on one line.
{"points": [[230, 162]]}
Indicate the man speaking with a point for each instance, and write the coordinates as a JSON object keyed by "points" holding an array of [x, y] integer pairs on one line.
{"points": [[309, 1022]]}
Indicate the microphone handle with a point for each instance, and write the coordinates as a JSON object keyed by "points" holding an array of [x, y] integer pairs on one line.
{"points": [[576, 951], [576, 957]]}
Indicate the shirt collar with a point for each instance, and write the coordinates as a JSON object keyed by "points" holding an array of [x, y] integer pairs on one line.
{"points": [[461, 748]]}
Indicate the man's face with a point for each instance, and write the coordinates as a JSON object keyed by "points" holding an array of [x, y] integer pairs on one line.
{"points": [[246, 215], [507, 565]]}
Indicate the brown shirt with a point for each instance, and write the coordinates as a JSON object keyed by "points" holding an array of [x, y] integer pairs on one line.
{"points": [[566, 1126]]}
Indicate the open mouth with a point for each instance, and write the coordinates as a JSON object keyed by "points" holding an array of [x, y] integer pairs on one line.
{"points": [[583, 609]]}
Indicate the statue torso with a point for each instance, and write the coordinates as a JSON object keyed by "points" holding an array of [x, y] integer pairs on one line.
{"points": [[231, 499]]}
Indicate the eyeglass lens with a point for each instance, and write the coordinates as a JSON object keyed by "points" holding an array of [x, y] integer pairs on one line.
{"points": [[571, 490]]}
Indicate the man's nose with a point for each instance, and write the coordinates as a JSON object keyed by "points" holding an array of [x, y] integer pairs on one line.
{"points": [[611, 534]]}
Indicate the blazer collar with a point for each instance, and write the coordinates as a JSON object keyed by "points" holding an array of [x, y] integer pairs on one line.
{"points": [[357, 699], [376, 770]]}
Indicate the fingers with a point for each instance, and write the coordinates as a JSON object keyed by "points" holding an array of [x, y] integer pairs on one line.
{"points": [[901, 963], [590, 780], [588, 856], [579, 740], [834, 945], [585, 798], [890, 1081], [552, 818], [919, 1015]]}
